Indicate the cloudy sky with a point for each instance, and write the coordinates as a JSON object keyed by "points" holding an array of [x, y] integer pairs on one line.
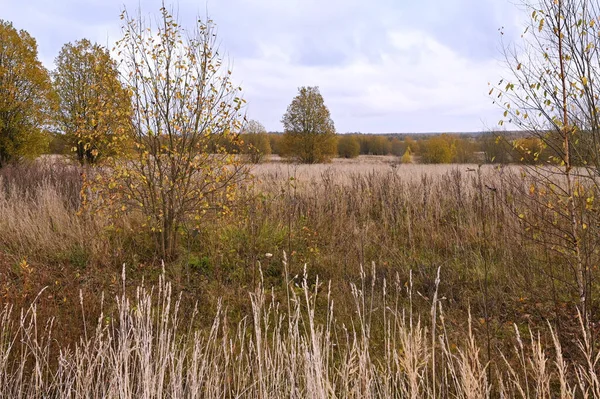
{"points": [[381, 65]]}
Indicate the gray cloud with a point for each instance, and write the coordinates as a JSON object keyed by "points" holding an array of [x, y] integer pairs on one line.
{"points": [[383, 65]]}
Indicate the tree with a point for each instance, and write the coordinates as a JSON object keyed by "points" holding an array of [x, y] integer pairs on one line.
{"points": [[185, 109], [379, 145], [415, 146], [94, 108], [398, 147], [437, 150], [464, 150], [552, 96], [255, 144], [529, 150], [309, 132], [25, 96], [348, 146], [275, 142]]}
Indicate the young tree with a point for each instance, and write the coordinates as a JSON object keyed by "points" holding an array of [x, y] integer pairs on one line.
{"points": [[25, 96], [255, 144], [185, 111], [309, 132], [552, 95], [407, 157], [94, 108]]}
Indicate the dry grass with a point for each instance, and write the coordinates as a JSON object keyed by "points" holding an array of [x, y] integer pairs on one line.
{"points": [[345, 169], [411, 220], [280, 350], [38, 212]]}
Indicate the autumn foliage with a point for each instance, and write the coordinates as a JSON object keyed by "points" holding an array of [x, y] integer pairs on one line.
{"points": [[185, 112], [309, 132], [94, 107], [348, 146], [25, 96], [255, 142]]}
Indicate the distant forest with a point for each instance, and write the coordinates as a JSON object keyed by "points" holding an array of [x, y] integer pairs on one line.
{"points": [[472, 147]]}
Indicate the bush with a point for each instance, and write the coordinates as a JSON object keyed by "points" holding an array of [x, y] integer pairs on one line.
{"points": [[464, 150], [407, 157], [380, 145], [436, 150], [496, 149], [275, 142], [348, 147], [529, 150], [255, 144], [398, 147]]}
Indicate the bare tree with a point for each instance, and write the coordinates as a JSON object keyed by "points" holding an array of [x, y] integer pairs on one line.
{"points": [[552, 96]]}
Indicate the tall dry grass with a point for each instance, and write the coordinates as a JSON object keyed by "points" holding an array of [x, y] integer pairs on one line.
{"points": [[411, 220], [282, 349], [38, 210]]}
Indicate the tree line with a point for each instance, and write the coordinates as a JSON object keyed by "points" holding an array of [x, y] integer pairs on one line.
{"points": [[83, 108], [489, 147]]}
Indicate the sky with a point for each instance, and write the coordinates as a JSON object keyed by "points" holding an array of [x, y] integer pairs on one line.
{"points": [[382, 66]]}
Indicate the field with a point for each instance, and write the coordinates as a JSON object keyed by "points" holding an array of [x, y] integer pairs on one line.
{"points": [[361, 278]]}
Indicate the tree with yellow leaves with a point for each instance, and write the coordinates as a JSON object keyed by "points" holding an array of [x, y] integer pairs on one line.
{"points": [[25, 96], [185, 115], [94, 108], [309, 132]]}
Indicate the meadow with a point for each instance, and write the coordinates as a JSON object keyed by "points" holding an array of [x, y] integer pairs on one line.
{"points": [[359, 278]]}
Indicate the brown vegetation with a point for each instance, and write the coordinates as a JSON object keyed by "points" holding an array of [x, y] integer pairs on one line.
{"points": [[282, 349], [411, 220]]}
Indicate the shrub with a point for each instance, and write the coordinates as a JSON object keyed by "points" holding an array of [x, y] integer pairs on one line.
{"points": [[348, 146], [256, 144], [181, 164], [436, 150], [407, 157]]}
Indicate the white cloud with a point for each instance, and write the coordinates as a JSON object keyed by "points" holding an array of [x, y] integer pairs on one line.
{"points": [[418, 75], [383, 65]]}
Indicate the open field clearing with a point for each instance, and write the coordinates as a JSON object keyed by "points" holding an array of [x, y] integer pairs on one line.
{"points": [[343, 169], [401, 223]]}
